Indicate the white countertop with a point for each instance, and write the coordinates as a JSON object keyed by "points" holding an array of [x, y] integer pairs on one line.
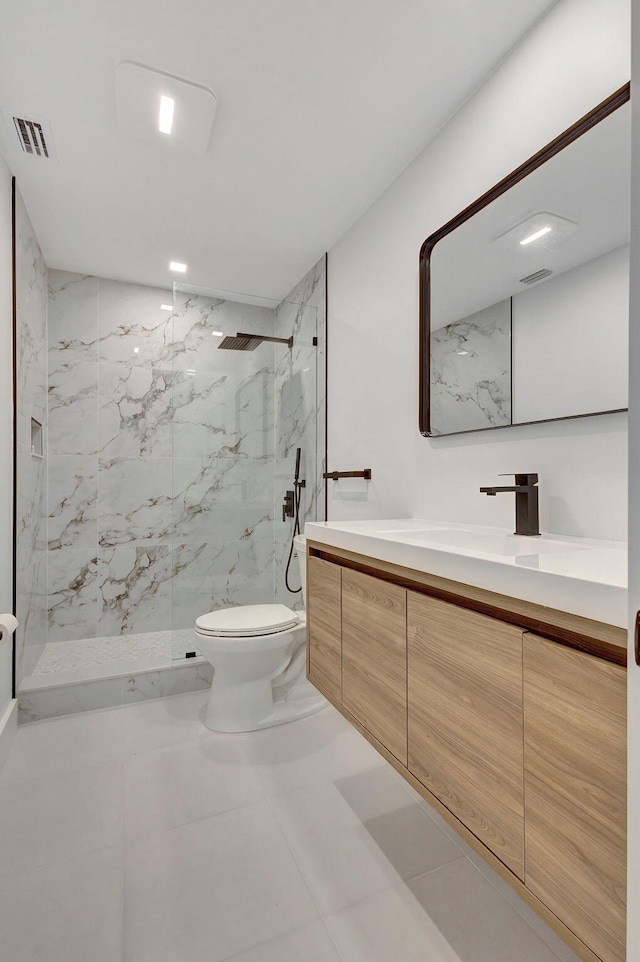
{"points": [[578, 575]]}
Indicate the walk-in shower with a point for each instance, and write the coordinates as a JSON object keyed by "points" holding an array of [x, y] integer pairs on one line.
{"points": [[165, 464]]}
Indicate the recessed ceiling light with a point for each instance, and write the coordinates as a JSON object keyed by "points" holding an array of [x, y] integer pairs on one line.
{"points": [[165, 117], [166, 307], [177, 266], [217, 333], [537, 234], [543, 226], [462, 352], [152, 103], [136, 350]]}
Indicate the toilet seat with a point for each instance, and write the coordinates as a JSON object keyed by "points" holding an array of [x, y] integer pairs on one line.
{"points": [[247, 621]]}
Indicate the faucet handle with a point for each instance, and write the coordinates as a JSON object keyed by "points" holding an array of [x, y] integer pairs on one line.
{"points": [[525, 479]]}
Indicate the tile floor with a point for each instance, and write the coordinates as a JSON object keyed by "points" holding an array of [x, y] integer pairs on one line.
{"points": [[135, 835]]}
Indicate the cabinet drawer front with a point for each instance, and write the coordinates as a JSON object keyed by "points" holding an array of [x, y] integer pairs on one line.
{"points": [[374, 658], [465, 719], [575, 777], [324, 612]]}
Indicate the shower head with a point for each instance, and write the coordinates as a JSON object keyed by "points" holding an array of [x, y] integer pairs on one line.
{"points": [[249, 342]]}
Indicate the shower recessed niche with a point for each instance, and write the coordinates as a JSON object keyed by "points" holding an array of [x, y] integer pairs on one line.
{"points": [[37, 449]]}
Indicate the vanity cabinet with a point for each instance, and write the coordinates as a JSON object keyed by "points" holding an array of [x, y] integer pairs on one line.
{"points": [[518, 741], [374, 658], [465, 719], [575, 808], [324, 618]]}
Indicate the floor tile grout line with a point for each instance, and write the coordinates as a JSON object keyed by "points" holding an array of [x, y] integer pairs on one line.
{"points": [[63, 772], [192, 821], [68, 860], [271, 941], [333, 941], [301, 872], [399, 882], [516, 906]]}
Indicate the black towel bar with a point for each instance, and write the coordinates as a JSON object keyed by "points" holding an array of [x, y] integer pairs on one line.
{"points": [[334, 475]]}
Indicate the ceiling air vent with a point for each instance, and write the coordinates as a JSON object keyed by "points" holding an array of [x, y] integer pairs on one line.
{"points": [[31, 136], [34, 136], [536, 276]]}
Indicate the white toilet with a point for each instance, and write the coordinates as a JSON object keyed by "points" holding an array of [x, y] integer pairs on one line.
{"points": [[259, 656]]}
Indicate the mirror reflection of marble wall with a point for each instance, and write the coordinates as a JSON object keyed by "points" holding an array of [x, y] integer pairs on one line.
{"points": [[471, 371]]}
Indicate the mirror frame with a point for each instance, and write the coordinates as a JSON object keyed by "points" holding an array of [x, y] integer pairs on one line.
{"points": [[599, 113]]}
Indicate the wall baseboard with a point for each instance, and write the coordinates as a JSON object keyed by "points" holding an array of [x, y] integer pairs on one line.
{"points": [[8, 729]]}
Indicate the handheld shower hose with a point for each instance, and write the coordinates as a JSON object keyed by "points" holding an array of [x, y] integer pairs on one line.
{"points": [[297, 488]]}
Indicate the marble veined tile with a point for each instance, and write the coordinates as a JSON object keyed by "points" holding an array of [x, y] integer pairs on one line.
{"points": [[471, 371], [292, 599], [134, 589], [31, 505], [296, 413], [219, 499], [31, 634], [31, 316], [226, 413], [300, 396], [73, 315], [134, 505], [68, 699], [132, 325], [161, 684], [135, 417], [198, 323], [211, 576], [73, 501], [73, 404], [284, 470], [73, 594]]}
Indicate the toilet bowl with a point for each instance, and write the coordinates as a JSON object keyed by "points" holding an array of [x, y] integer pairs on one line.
{"points": [[259, 655]]}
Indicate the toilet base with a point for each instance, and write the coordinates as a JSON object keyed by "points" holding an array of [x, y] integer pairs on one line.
{"points": [[290, 704]]}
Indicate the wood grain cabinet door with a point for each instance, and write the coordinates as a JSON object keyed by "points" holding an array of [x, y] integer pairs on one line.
{"points": [[575, 791], [324, 614], [374, 658], [465, 719]]}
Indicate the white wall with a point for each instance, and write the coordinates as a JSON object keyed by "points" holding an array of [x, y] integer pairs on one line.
{"points": [[6, 428], [571, 341], [572, 60]]}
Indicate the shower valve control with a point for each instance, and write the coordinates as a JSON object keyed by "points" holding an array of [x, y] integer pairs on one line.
{"points": [[288, 506]]}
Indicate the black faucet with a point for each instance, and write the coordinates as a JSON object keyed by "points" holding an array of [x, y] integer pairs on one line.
{"points": [[526, 492]]}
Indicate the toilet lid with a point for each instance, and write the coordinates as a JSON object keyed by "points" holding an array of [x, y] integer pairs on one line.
{"points": [[245, 621]]}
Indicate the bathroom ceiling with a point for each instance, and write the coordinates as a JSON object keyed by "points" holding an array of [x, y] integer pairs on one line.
{"points": [[320, 105]]}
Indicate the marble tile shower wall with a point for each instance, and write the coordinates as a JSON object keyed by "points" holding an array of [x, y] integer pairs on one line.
{"points": [[161, 452], [31, 553], [300, 412]]}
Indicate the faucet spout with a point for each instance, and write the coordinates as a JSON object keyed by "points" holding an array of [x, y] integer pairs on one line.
{"points": [[497, 490], [526, 492]]}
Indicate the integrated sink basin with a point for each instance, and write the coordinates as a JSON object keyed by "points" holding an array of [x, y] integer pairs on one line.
{"points": [[578, 575], [508, 545]]}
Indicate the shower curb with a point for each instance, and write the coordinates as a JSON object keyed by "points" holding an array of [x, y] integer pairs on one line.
{"points": [[125, 688]]}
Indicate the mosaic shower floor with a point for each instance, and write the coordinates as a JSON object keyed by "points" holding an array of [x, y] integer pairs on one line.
{"points": [[92, 659], [157, 646]]}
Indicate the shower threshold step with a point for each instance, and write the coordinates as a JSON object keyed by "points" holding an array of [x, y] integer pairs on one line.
{"points": [[93, 673]]}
